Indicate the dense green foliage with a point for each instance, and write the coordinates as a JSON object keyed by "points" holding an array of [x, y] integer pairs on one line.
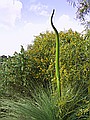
{"points": [[74, 57], [46, 106], [20, 73], [14, 73]]}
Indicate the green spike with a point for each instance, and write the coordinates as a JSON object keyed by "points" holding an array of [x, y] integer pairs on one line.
{"points": [[57, 55]]}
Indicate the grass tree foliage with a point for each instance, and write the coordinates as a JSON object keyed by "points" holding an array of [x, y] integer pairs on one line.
{"points": [[22, 99], [44, 105]]}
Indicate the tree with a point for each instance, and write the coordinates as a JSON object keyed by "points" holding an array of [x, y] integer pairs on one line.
{"points": [[15, 74], [83, 10], [74, 59], [41, 56]]}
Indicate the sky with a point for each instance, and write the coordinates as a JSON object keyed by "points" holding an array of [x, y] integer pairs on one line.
{"points": [[22, 20]]}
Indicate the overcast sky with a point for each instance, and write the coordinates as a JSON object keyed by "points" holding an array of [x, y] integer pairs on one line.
{"points": [[21, 20]]}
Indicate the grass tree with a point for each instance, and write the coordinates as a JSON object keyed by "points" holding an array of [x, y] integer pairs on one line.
{"points": [[41, 104]]}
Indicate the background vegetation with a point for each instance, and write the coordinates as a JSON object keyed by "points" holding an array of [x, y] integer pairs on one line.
{"points": [[28, 81]]}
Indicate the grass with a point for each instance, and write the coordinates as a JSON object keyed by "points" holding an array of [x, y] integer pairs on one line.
{"points": [[40, 107], [46, 106]]}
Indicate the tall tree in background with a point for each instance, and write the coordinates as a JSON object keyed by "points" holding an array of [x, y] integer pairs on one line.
{"points": [[83, 11]]}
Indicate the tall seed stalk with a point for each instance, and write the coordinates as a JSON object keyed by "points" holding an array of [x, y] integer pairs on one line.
{"points": [[57, 55]]}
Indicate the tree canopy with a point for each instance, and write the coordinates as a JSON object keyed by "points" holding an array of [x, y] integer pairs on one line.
{"points": [[83, 11]]}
